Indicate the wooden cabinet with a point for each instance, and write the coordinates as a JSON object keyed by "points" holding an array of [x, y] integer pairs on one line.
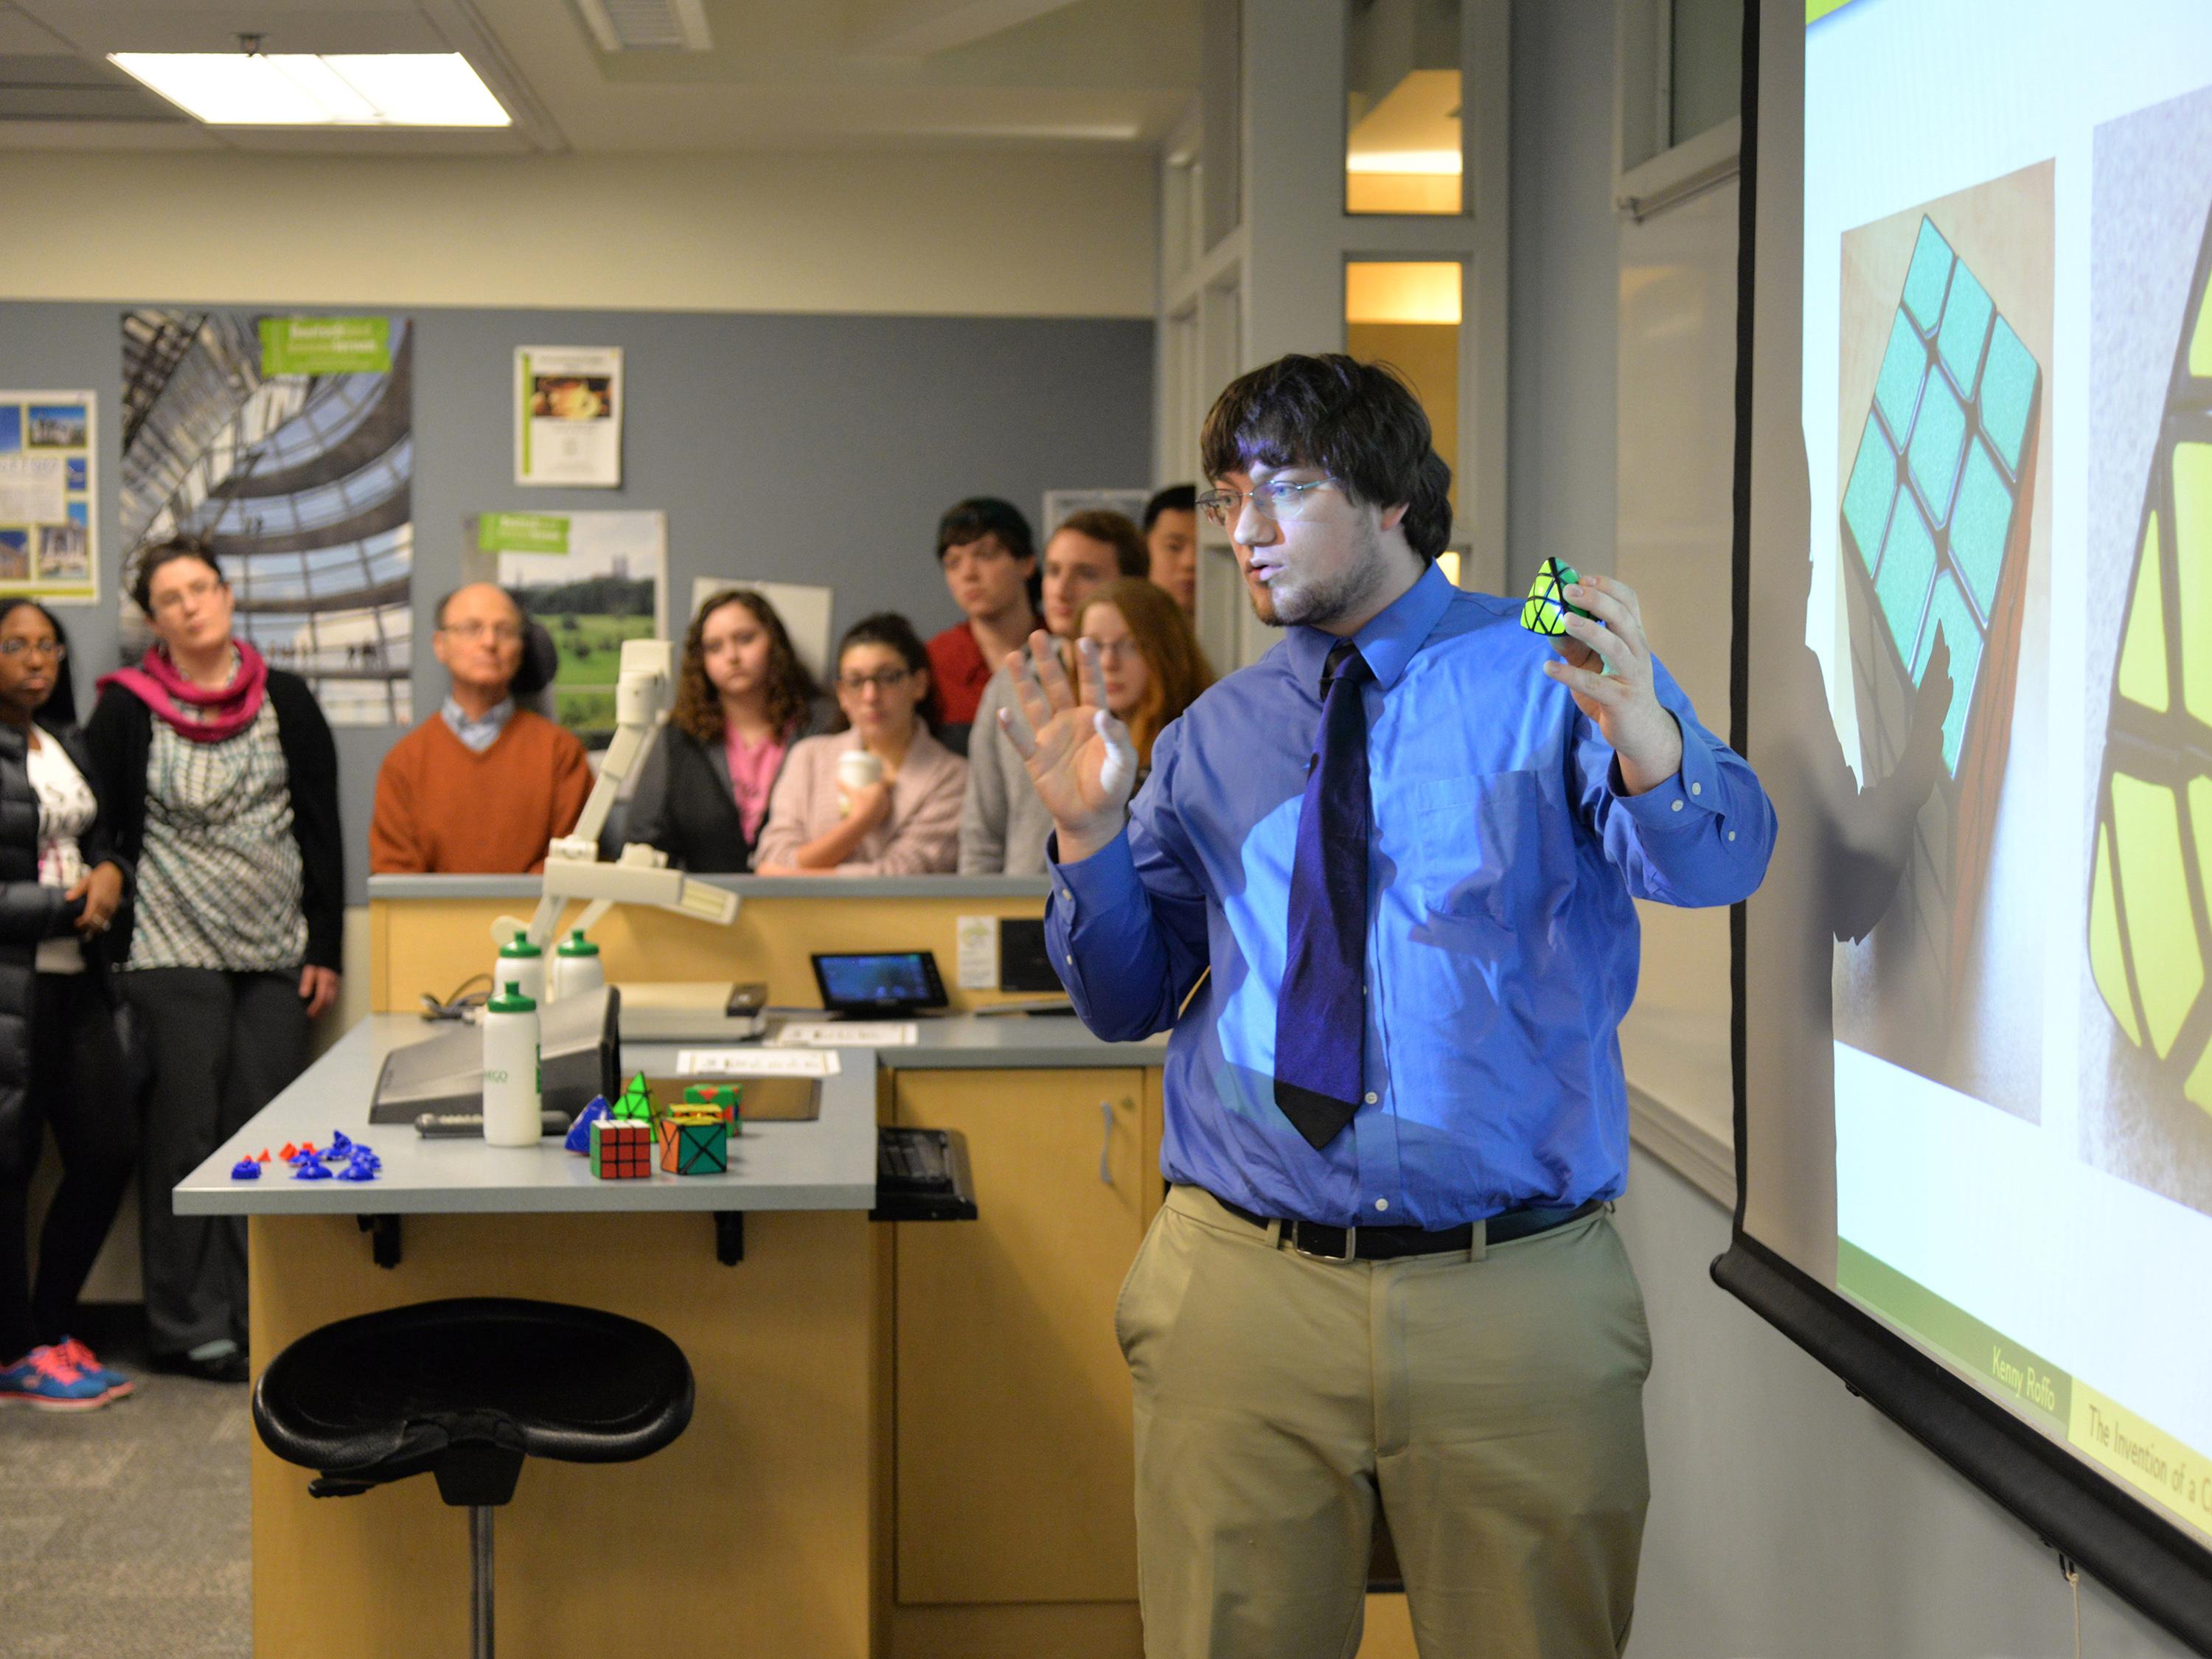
{"points": [[1013, 1465]]}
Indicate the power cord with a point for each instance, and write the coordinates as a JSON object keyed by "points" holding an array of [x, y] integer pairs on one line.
{"points": [[463, 1000], [2073, 1575]]}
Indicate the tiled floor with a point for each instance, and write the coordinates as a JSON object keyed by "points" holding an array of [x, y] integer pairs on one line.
{"points": [[123, 1531]]}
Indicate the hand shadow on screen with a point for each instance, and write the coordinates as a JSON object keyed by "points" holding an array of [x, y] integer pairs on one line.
{"points": [[1847, 842]]}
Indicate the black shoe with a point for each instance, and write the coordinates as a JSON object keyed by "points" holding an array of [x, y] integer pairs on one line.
{"points": [[231, 1367]]}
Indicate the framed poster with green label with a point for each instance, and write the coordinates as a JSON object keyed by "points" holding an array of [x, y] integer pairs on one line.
{"points": [[568, 415], [594, 580], [49, 530]]}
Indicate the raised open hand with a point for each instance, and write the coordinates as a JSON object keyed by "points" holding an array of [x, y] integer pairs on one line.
{"points": [[1079, 757]]}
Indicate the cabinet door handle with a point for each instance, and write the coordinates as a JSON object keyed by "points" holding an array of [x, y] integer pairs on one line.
{"points": [[1106, 1143]]}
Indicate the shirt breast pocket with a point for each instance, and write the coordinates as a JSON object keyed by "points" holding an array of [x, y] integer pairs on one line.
{"points": [[1494, 844]]}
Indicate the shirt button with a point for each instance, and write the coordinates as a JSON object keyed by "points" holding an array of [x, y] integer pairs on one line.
{"points": [[1697, 788], [1731, 835], [1372, 1097], [1069, 959], [1381, 1203], [1678, 806]]}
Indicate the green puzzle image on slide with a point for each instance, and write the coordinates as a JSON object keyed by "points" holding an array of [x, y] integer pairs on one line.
{"points": [[2150, 941], [1937, 485], [1936, 522]]}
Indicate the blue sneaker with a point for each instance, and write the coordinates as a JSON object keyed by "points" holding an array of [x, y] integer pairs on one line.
{"points": [[44, 1380], [119, 1387]]}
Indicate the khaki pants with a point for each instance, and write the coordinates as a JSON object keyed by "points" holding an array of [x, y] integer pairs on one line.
{"points": [[1494, 1405]]}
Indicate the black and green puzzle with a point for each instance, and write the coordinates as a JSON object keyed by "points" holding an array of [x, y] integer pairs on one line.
{"points": [[1935, 525], [1546, 609], [2150, 935]]}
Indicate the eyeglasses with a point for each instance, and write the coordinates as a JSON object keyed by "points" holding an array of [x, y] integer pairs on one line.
{"points": [[888, 679], [1114, 650], [192, 592], [503, 633], [1279, 499], [53, 648]]}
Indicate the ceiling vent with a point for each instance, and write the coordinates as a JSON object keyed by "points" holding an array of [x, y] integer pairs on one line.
{"points": [[647, 25]]}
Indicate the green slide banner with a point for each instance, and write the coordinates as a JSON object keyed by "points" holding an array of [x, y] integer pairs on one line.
{"points": [[325, 345], [522, 532]]}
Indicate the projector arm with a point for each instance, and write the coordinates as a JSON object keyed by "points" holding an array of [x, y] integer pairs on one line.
{"points": [[572, 868]]}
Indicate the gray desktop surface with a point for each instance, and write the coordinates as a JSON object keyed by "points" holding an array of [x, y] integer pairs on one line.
{"points": [[826, 1164]]}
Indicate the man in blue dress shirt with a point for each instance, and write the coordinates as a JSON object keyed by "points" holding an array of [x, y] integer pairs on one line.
{"points": [[1380, 885]]}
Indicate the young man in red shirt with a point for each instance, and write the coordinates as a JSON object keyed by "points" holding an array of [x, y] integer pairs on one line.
{"points": [[989, 555]]}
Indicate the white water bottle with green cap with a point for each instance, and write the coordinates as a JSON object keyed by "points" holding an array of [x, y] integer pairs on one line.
{"points": [[510, 1069], [523, 963], [576, 966]]}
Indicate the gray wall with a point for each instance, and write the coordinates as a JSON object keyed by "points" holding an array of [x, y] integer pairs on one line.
{"points": [[1788, 1520], [793, 448]]}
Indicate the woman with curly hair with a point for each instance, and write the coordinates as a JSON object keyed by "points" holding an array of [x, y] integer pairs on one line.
{"points": [[742, 699], [1148, 658]]}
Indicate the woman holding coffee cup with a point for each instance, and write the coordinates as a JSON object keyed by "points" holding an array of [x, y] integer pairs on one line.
{"points": [[880, 796]]}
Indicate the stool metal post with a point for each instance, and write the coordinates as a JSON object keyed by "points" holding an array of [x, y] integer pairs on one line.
{"points": [[480, 1515]]}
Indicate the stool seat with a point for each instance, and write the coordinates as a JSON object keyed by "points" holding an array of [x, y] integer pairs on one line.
{"points": [[465, 1390]]}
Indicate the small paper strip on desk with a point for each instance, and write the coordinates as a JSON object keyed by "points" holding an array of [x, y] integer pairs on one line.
{"points": [[847, 1034], [755, 1061]]}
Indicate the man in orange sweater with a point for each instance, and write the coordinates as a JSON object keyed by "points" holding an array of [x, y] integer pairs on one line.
{"points": [[480, 786]]}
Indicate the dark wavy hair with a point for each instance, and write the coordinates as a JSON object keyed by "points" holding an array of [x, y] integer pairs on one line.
{"points": [[791, 688], [887, 628], [60, 707], [1359, 422], [162, 553]]}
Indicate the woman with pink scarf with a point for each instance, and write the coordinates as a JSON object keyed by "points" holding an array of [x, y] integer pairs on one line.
{"points": [[222, 779]]}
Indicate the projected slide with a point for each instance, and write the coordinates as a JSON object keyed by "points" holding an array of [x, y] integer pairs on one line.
{"points": [[2007, 404]]}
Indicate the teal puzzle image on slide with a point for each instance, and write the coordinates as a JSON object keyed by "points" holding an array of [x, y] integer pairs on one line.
{"points": [[1938, 488]]}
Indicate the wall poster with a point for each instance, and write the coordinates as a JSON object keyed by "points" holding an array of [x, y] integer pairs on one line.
{"points": [[286, 445], [568, 415], [49, 467]]}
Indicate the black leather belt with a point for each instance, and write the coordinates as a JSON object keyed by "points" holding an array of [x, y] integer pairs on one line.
{"points": [[1385, 1243]]}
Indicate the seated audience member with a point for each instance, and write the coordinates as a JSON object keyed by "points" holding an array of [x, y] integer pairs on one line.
{"points": [[741, 699], [1150, 665], [826, 815], [482, 786], [1171, 537], [1003, 825], [989, 559]]}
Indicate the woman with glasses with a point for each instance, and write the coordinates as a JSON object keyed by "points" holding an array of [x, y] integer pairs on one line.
{"points": [[879, 796], [742, 698], [1149, 660], [223, 782], [60, 1064]]}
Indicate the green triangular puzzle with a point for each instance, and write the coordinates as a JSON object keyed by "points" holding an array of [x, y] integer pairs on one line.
{"points": [[1546, 609], [637, 1102]]}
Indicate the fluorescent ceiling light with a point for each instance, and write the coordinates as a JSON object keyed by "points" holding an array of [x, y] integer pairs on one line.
{"points": [[294, 89]]}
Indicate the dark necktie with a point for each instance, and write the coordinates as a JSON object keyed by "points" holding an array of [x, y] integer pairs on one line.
{"points": [[1321, 1022]]}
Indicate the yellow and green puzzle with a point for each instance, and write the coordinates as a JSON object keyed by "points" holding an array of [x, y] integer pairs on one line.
{"points": [[2149, 937], [1546, 609]]}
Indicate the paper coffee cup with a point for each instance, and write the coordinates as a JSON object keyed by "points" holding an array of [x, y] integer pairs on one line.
{"points": [[857, 768]]}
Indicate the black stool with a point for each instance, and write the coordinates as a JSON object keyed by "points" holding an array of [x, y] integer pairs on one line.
{"points": [[465, 1389]]}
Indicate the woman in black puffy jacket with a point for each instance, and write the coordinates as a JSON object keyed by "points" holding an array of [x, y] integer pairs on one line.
{"points": [[60, 1063]]}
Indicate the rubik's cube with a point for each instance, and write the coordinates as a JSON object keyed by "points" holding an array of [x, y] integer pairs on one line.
{"points": [[1935, 532], [695, 1142], [1546, 609], [621, 1149], [724, 1097], [2150, 943]]}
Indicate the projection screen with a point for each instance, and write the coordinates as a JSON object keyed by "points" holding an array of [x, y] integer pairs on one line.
{"points": [[1974, 668]]}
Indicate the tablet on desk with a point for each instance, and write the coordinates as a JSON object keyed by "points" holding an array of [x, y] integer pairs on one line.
{"points": [[873, 985]]}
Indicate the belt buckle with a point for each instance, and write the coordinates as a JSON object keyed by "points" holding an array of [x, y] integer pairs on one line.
{"points": [[1293, 1231]]}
